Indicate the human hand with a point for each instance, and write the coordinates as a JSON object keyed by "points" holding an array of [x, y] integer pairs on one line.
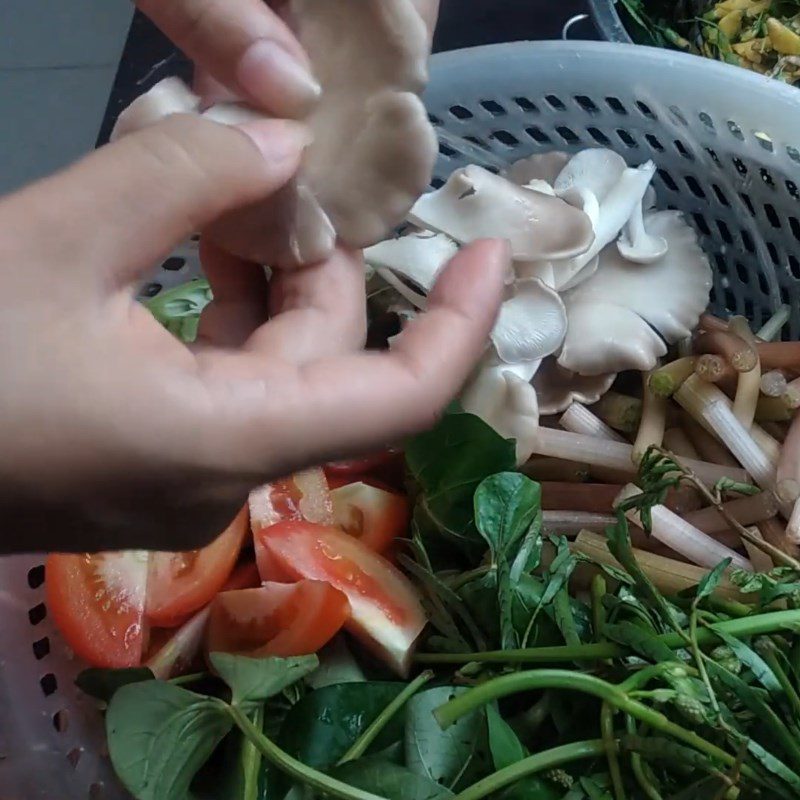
{"points": [[115, 435]]}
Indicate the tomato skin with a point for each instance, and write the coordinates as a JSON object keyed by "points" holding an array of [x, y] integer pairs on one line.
{"points": [[304, 495], [372, 514], [276, 620], [388, 466], [386, 612], [179, 584], [97, 603]]}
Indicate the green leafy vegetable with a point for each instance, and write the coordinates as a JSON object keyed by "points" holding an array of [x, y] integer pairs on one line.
{"points": [[256, 680], [103, 683], [179, 309], [389, 780]]}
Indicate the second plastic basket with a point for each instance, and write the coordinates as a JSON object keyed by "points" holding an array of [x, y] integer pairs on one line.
{"points": [[727, 146]]}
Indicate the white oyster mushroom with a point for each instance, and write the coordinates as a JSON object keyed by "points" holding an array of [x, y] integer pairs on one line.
{"points": [[541, 167], [597, 170], [373, 149], [418, 257], [639, 245], [502, 396], [621, 317], [558, 388], [532, 324], [475, 204]]}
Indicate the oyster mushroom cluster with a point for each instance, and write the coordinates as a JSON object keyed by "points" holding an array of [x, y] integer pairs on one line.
{"points": [[602, 282], [373, 147]]}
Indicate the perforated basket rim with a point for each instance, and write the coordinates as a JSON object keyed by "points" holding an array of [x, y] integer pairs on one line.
{"points": [[29, 715]]}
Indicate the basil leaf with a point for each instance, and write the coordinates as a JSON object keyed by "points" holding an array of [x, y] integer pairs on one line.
{"points": [[454, 757], [258, 679], [504, 744], [506, 506], [160, 735], [386, 779], [709, 584], [104, 683], [449, 462]]}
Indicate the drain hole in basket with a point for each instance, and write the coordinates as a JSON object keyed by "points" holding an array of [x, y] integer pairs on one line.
{"points": [[494, 108], [772, 215], [615, 104], [151, 290], [538, 135], [741, 168], [645, 110], [702, 225], [174, 264], [41, 648], [683, 151], [626, 138], [587, 104], [459, 112], [446, 150], [506, 138], [766, 176], [791, 187], [49, 684], [720, 195], [668, 180], [694, 187], [794, 266], [654, 142], [773, 254], [568, 135], [598, 136], [74, 757], [735, 130], [526, 105], [794, 224], [555, 102], [748, 243], [749, 203], [36, 576], [724, 232], [37, 614], [61, 720]]}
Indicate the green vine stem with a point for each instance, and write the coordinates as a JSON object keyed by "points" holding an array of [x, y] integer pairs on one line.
{"points": [[291, 766], [610, 744], [639, 767], [550, 759], [588, 684], [756, 625], [361, 745]]}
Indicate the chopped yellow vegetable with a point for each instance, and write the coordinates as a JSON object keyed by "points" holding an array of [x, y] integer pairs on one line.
{"points": [[751, 51], [757, 7], [731, 23], [724, 8], [783, 39]]}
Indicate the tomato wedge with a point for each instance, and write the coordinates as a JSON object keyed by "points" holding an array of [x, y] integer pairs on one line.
{"points": [[276, 620], [388, 464], [97, 602], [303, 496], [178, 584], [385, 609], [371, 514]]}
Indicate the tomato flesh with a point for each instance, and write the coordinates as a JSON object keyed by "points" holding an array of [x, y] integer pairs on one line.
{"points": [[387, 465], [371, 514], [276, 620], [97, 602], [179, 584], [385, 609], [303, 496]]}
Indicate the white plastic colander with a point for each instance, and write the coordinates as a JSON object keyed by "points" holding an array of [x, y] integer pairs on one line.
{"points": [[727, 144]]}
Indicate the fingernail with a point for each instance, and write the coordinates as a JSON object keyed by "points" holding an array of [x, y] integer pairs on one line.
{"points": [[276, 80], [278, 140]]}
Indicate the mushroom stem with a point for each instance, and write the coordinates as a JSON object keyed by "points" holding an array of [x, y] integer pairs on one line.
{"points": [[682, 537], [619, 411], [773, 383], [748, 388], [760, 560], [713, 368], [745, 510], [666, 380], [793, 526], [556, 469], [739, 354], [774, 532], [676, 441], [710, 407], [778, 409], [616, 455], [570, 523], [653, 424], [780, 355], [579, 419], [775, 324], [596, 498]]}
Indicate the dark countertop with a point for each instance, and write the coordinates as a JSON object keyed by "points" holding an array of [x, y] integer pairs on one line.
{"points": [[149, 57]]}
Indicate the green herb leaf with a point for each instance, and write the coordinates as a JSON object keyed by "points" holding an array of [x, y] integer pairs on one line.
{"points": [[385, 779], [160, 735], [453, 757], [710, 582], [103, 683], [506, 506], [753, 661], [325, 724], [258, 679], [774, 765], [179, 309], [504, 745], [450, 462]]}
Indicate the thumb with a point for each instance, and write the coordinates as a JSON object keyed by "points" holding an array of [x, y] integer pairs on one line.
{"points": [[131, 202]]}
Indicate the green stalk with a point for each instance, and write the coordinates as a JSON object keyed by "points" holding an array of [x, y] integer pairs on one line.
{"points": [[251, 759], [183, 680], [599, 589], [291, 766], [550, 759], [610, 745], [639, 768], [574, 681], [769, 655], [757, 625], [361, 745]]}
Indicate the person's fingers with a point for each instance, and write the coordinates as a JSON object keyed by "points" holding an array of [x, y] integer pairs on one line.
{"points": [[268, 416], [210, 90], [315, 312], [240, 305], [127, 205], [244, 45], [429, 11]]}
